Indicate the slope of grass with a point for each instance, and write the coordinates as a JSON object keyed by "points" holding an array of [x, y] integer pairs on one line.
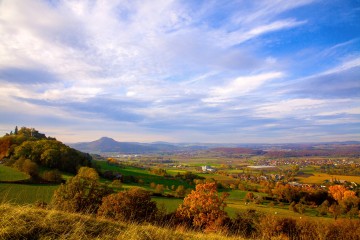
{"points": [[142, 174], [25, 222], [11, 174]]}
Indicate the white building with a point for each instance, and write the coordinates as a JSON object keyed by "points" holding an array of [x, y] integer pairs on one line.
{"points": [[208, 169]]}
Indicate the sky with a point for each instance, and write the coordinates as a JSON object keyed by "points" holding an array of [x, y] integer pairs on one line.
{"points": [[265, 71]]}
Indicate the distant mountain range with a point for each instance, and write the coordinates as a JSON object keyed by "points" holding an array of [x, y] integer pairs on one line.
{"points": [[106, 144]]}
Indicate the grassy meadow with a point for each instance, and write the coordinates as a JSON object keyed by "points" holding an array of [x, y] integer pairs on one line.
{"points": [[145, 175], [26, 193], [11, 174]]}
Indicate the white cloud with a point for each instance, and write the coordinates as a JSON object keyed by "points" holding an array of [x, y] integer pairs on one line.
{"points": [[241, 86], [302, 108], [241, 35]]}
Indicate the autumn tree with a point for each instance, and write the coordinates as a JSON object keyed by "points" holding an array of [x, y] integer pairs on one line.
{"points": [[287, 192], [82, 193], [249, 196], [159, 189], [180, 191], [337, 192], [132, 205], [347, 199], [203, 207]]}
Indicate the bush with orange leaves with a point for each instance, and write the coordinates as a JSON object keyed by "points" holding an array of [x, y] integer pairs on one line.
{"points": [[203, 208]]}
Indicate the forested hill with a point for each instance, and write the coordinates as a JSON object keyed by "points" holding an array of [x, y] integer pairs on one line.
{"points": [[27, 144]]}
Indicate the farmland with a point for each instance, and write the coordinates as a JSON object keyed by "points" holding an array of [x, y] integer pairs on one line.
{"points": [[319, 178], [232, 176]]}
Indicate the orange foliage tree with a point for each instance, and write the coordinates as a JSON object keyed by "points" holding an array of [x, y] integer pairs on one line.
{"points": [[204, 208], [347, 199], [337, 192]]}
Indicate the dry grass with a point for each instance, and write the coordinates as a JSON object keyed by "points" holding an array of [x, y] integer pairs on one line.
{"points": [[26, 222]]}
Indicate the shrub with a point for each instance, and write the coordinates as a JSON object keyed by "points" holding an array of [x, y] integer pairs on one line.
{"points": [[82, 193], [245, 224], [133, 205], [273, 227]]}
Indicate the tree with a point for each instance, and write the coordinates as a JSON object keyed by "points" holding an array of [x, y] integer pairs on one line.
{"points": [[323, 208], [347, 199], [30, 168], [335, 210], [249, 196], [82, 193], [203, 208], [132, 205], [52, 176], [337, 192], [180, 191], [88, 173], [16, 130], [159, 189]]}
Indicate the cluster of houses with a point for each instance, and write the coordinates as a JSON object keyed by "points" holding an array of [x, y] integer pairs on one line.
{"points": [[307, 162]]}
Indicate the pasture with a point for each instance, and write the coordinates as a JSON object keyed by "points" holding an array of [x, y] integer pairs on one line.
{"points": [[11, 174], [145, 175], [26, 193]]}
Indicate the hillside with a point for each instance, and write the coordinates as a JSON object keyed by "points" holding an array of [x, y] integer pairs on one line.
{"points": [[26, 149]]}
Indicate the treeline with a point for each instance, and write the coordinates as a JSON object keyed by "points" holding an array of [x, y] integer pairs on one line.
{"points": [[26, 149]]}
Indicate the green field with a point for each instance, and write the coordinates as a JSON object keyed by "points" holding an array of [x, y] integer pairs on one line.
{"points": [[142, 174], [11, 174], [26, 193]]}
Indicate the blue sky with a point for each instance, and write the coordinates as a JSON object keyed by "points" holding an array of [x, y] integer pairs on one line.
{"points": [[182, 71]]}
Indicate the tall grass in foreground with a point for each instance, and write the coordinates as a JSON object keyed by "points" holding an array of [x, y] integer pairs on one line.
{"points": [[26, 222], [29, 222]]}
